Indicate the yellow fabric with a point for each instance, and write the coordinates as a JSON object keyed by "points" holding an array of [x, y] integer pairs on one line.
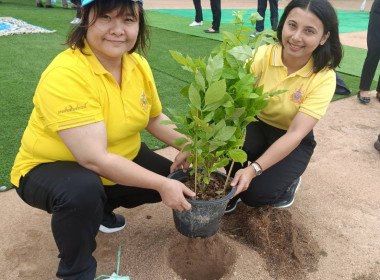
{"points": [[306, 91], [76, 90]]}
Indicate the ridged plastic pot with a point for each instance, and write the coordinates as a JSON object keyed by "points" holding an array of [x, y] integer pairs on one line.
{"points": [[204, 218]]}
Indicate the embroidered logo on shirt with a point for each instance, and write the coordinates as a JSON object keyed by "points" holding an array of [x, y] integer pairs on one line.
{"points": [[297, 96], [71, 108], [143, 101]]}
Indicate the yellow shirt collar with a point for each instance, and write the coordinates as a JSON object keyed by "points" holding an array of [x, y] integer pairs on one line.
{"points": [[276, 60]]}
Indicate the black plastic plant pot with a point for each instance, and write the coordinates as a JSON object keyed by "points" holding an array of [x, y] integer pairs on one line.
{"points": [[204, 218]]}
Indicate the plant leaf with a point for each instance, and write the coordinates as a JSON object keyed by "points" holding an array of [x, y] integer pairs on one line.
{"points": [[215, 92], [225, 134], [180, 141], [214, 68], [194, 97], [238, 155]]}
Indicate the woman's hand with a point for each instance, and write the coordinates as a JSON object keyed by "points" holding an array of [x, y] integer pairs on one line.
{"points": [[173, 195], [243, 178], [180, 162]]}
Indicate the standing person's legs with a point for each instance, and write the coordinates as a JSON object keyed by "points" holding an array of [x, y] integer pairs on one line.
{"points": [[373, 54], [261, 7], [273, 13], [75, 196], [198, 10], [216, 14]]}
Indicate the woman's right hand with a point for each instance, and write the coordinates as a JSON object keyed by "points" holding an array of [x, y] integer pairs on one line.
{"points": [[173, 195], [242, 179]]}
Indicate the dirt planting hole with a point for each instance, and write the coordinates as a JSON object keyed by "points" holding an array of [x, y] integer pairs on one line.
{"points": [[288, 248], [201, 259]]}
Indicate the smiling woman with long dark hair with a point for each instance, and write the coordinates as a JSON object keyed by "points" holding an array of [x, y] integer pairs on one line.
{"points": [[280, 144]]}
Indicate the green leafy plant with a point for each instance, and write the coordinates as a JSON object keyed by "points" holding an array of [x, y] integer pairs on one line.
{"points": [[223, 100]]}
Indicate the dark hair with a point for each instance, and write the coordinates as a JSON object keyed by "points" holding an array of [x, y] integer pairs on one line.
{"points": [[330, 53], [75, 38]]}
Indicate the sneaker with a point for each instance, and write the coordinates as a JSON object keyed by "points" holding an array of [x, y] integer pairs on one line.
{"points": [[76, 21], [196, 23], [253, 35], [231, 206], [377, 144], [112, 223], [288, 197]]}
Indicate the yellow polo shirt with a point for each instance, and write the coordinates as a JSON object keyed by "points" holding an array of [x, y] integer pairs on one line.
{"points": [[306, 91], [76, 90]]}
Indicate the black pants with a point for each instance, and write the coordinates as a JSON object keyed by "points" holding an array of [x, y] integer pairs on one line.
{"points": [[373, 54], [261, 8], [267, 188], [216, 12], [198, 10], [77, 199]]}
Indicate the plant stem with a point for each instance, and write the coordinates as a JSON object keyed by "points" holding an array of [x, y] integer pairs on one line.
{"points": [[228, 177], [242, 136], [196, 173], [196, 161]]}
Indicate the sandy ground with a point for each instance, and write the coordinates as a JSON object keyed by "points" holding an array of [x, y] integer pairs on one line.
{"points": [[337, 205]]}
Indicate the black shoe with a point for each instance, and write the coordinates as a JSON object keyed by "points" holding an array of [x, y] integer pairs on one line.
{"points": [[377, 144], [288, 198], [39, 5], [211, 31], [49, 6], [364, 100], [231, 206], [112, 223]]}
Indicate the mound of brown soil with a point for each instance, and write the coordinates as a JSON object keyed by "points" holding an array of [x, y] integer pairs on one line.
{"points": [[288, 248]]}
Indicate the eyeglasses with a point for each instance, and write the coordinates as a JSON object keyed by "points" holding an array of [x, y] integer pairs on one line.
{"points": [[86, 2]]}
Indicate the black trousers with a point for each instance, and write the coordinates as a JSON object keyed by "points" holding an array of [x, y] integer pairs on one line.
{"points": [[77, 199], [198, 10], [373, 54], [261, 8], [216, 12], [267, 188]]}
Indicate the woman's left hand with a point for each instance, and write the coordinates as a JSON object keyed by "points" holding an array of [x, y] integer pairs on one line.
{"points": [[180, 162], [243, 178]]}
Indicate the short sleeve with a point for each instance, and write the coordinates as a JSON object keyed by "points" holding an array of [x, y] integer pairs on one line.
{"points": [[65, 98], [320, 93]]}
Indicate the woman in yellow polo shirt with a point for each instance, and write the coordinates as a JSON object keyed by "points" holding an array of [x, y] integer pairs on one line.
{"points": [[280, 144], [81, 154]]}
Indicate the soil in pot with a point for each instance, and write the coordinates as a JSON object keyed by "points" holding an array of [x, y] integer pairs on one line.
{"points": [[214, 190]]}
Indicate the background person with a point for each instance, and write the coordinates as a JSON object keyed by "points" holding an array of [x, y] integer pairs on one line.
{"points": [[47, 4], [81, 154], [373, 55], [198, 21], [216, 15], [76, 5], [280, 144], [261, 8]]}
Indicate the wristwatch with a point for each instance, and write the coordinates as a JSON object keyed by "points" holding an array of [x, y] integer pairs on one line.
{"points": [[257, 168]]}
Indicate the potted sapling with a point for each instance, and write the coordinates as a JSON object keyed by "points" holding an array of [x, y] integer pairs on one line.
{"points": [[223, 99]]}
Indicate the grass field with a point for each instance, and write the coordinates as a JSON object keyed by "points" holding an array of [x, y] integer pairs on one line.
{"points": [[24, 57]]}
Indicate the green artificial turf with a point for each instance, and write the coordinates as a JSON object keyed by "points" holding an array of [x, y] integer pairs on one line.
{"points": [[24, 57], [349, 21], [353, 61]]}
